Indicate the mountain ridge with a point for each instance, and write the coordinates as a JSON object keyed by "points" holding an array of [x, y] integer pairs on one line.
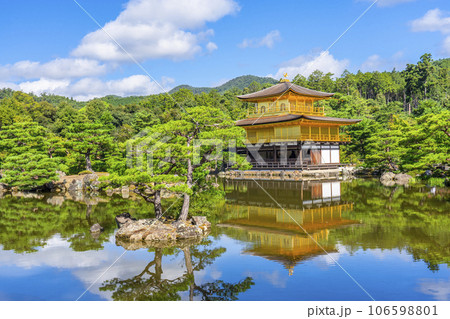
{"points": [[239, 82]]}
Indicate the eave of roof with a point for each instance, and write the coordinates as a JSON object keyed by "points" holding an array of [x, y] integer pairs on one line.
{"points": [[268, 120], [292, 117], [331, 119], [282, 88]]}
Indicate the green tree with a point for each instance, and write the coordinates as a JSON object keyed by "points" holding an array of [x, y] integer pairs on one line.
{"points": [[24, 155], [93, 141], [384, 150], [189, 141]]}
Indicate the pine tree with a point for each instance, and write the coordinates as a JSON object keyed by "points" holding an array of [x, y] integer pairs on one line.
{"points": [[24, 155], [92, 141]]}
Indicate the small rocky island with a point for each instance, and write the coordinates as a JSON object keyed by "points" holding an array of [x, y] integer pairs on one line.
{"points": [[153, 231]]}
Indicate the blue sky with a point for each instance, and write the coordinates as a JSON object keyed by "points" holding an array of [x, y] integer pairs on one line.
{"points": [[55, 47]]}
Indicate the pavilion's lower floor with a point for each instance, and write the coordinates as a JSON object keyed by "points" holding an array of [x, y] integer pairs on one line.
{"points": [[292, 155]]}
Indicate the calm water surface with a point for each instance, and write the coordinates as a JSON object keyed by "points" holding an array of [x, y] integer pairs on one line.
{"points": [[395, 242]]}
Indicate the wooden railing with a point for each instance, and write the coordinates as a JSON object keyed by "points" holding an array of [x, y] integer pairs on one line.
{"points": [[278, 108], [303, 137], [291, 163], [316, 110]]}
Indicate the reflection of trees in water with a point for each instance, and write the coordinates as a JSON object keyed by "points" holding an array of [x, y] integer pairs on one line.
{"points": [[28, 223], [150, 284], [412, 219]]}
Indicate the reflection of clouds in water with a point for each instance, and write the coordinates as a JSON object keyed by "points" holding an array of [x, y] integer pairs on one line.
{"points": [[328, 260], [89, 265], [56, 254], [215, 274], [130, 265], [384, 254], [438, 288], [273, 278]]}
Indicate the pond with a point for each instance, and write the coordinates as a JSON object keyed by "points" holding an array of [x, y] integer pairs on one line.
{"points": [[270, 240]]}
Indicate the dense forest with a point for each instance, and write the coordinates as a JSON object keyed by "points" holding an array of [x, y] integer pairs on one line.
{"points": [[405, 123]]}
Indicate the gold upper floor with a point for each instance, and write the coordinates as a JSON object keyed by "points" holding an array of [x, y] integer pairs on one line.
{"points": [[289, 104]]}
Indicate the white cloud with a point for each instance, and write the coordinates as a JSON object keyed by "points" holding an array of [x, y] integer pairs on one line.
{"points": [[306, 64], [55, 69], [377, 63], [268, 40], [89, 88], [434, 21], [44, 85], [388, 3], [145, 28], [9, 85], [211, 46], [150, 29]]}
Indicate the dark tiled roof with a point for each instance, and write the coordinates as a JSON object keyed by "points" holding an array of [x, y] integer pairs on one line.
{"points": [[330, 119], [268, 120], [284, 87], [292, 117]]}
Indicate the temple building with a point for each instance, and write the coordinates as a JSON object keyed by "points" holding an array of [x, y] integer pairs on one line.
{"points": [[286, 129]]}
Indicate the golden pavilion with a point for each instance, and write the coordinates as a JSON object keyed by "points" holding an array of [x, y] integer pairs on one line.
{"points": [[286, 129]]}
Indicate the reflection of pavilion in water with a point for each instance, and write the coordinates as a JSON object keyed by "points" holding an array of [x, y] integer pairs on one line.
{"points": [[275, 234]]}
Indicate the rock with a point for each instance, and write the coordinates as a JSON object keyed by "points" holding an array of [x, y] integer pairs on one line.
{"points": [[88, 178], [387, 176], [75, 186], [402, 179], [28, 195], [154, 231], [94, 186], [388, 183], [75, 190], [56, 200], [96, 228], [348, 171], [90, 182], [125, 192], [189, 232], [59, 186], [123, 218], [61, 174], [391, 179], [428, 173], [180, 243], [201, 221]]}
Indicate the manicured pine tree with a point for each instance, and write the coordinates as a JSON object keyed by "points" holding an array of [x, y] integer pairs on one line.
{"points": [[24, 156], [92, 141]]}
